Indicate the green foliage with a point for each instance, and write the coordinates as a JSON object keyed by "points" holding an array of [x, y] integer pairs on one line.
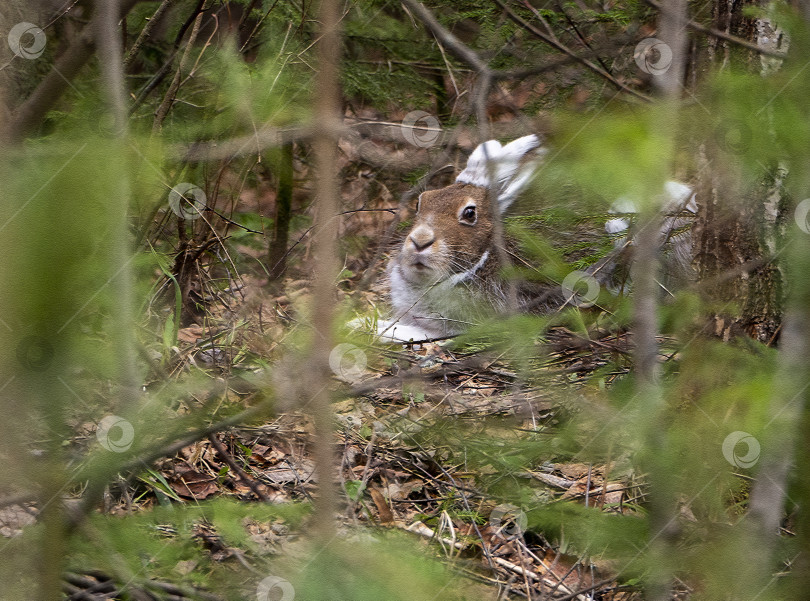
{"points": [[163, 542], [383, 62], [88, 240]]}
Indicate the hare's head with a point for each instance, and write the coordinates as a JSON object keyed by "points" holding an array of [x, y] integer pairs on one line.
{"points": [[451, 233], [448, 265], [451, 238]]}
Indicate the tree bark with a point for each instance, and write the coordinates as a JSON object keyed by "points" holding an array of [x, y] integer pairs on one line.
{"points": [[736, 227], [277, 257]]}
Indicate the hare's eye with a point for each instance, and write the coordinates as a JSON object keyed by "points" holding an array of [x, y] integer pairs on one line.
{"points": [[468, 214]]}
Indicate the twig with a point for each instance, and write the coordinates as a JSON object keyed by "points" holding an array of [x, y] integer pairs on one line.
{"points": [[328, 115], [146, 31], [587, 589], [185, 592], [450, 41], [168, 99], [567, 51], [257, 142], [168, 449], [573, 25], [256, 27], [662, 513], [254, 486], [423, 530], [167, 65]]}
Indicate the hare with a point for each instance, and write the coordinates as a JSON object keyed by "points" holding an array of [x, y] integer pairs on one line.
{"points": [[445, 274]]}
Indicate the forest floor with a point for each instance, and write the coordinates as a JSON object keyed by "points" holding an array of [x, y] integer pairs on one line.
{"points": [[405, 419]]}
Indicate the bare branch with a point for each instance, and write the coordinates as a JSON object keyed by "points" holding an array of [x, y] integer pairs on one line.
{"points": [[354, 131], [168, 99], [109, 44], [644, 272], [328, 117], [147, 31], [555, 43], [451, 42]]}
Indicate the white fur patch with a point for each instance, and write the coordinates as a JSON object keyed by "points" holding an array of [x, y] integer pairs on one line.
{"points": [[476, 172], [466, 275], [391, 331], [505, 164], [614, 226], [676, 197]]}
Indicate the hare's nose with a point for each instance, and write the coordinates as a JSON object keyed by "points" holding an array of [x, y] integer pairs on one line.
{"points": [[422, 238]]}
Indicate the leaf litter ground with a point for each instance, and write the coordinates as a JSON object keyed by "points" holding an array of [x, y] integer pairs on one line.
{"points": [[426, 439]]}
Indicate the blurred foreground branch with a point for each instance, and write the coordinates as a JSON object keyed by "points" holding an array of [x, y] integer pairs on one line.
{"points": [[645, 269], [328, 118]]}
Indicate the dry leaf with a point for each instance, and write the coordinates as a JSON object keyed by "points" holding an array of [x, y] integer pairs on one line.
{"points": [[386, 515], [190, 334]]}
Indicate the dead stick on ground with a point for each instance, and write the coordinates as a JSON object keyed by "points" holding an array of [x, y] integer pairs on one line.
{"points": [[223, 452]]}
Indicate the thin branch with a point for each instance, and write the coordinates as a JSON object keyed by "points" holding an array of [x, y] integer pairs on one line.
{"points": [[147, 31], [256, 27], [328, 115], [96, 486], [553, 42], [108, 42], [255, 143], [223, 452], [446, 38], [168, 100], [161, 73], [644, 273], [353, 130], [573, 25]]}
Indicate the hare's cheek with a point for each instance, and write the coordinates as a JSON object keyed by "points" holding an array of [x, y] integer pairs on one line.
{"points": [[443, 259]]}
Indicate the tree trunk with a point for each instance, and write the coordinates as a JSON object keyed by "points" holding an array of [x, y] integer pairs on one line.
{"points": [[277, 257], [736, 230]]}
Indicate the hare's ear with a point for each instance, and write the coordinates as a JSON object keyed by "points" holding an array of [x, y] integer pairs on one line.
{"points": [[507, 169]]}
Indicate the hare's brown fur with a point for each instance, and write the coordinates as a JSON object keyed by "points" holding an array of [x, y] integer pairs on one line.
{"points": [[445, 274]]}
